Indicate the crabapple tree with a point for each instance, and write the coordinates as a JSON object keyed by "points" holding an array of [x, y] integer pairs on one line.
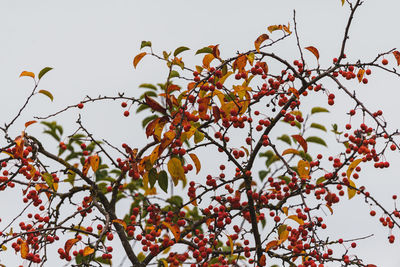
{"points": [[242, 112]]}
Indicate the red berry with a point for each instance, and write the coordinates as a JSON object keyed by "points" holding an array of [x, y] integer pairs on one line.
{"points": [[126, 113], [385, 61], [124, 104], [80, 105]]}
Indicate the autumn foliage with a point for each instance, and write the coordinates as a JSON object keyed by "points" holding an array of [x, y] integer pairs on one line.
{"points": [[245, 111]]}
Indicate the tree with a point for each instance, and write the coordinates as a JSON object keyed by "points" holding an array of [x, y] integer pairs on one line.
{"points": [[234, 215]]}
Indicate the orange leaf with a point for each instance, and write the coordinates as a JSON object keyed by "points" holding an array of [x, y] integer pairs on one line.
{"points": [[154, 104], [138, 58], [27, 73], [174, 229], [154, 155], [290, 151], [19, 147], [264, 66], [260, 40], [296, 219], [285, 210], [295, 92], [230, 243], [271, 244], [29, 123], [196, 162], [313, 50], [207, 60], [240, 63], [274, 28], [87, 251], [86, 167], [352, 166], [215, 52], [121, 222], [167, 140], [397, 56], [303, 167], [24, 249], [360, 74], [94, 162], [68, 245], [263, 260], [301, 141], [151, 126]]}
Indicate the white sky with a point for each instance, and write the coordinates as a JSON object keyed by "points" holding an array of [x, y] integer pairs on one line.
{"points": [[91, 44]]}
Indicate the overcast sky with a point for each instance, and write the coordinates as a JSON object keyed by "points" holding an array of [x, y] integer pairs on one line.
{"points": [[91, 44]]}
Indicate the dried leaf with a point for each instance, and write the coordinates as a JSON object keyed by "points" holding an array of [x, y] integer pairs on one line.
{"points": [[296, 219], [360, 74], [27, 73], [154, 104], [301, 141], [138, 58], [295, 92], [196, 162], [313, 50], [271, 244], [176, 170], [397, 56], [69, 243], [29, 123], [352, 166], [174, 229], [87, 251], [24, 249], [290, 151], [350, 191], [94, 162], [273, 28], [260, 40], [303, 167], [207, 60], [121, 222]]}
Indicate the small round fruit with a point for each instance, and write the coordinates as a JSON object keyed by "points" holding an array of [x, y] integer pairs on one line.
{"points": [[80, 105], [385, 61]]}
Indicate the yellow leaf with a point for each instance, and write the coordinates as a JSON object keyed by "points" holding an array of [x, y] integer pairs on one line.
{"points": [[303, 167], [350, 191], [165, 263], [94, 162], [55, 186], [360, 74], [296, 219], [87, 251], [27, 73], [250, 58], [285, 210], [283, 236], [4, 248], [154, 155], [352, 166], [198, 137], [260, 40], [313, 50], [290, 151], [24, 249], [230, 243], [222, 80], [196, 162], [271, 244], [121, 222], [138, 58], [174, 229], [343, 2], [176, 170]]}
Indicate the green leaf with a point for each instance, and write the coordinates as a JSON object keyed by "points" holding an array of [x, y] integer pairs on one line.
{"points": [[285, 178], [318, 126], [203, 50], [285, 138], [180, 50], [142, 107], [46, 93], [44, 71], [174, 74], [318, 110], [305, 156], [48, 178], [104, 261], [148, 86], [263, 174], [320, 180], [144, 44], [148, 93], [297, 124], [152, 177], [175, 200], [163, 181], [316, 139]]}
